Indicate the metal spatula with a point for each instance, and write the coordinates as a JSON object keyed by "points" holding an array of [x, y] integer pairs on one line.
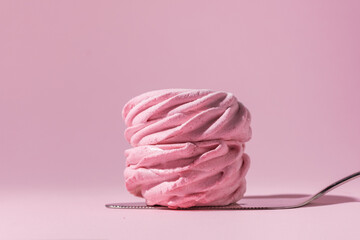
{"points": [[257, 203]]}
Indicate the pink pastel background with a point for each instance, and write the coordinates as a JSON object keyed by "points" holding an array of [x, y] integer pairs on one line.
{"points": [[68, 67]]}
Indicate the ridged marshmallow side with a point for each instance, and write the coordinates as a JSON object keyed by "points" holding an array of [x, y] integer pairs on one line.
{"points": [[185, 115], [188, 174]]}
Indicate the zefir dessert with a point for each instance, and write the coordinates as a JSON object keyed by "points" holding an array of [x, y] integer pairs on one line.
{"points": [[188, 147]]}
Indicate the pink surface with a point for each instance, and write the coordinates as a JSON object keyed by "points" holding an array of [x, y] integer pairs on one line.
{"points": [[70, 214], [68, 67]]}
